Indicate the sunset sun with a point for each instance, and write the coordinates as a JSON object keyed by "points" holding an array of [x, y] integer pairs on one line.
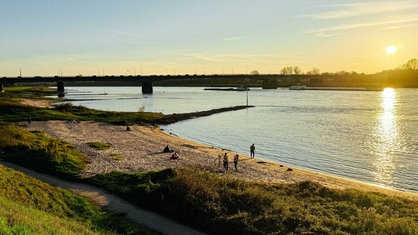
{"points": [[390, 50]]}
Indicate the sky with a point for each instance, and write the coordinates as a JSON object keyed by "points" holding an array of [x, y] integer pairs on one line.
{"points": [[160, 37]]}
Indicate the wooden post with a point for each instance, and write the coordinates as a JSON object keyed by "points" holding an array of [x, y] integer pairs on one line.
{"points": [[1, 87], [60, 89]]}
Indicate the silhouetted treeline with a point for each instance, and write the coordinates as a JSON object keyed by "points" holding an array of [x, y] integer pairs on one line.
{"points": [[393, 78], [407, 78]]}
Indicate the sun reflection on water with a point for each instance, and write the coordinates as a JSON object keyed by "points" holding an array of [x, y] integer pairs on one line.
{"points": [[385, 138]]}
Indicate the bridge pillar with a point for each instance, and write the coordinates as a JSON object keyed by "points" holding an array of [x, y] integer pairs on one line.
{"points": [[1, 87], [60, 89], [147, 88]]}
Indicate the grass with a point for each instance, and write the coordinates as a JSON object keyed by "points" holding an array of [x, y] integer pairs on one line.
{"points": [[29, 206], [39, 152], [99, 145], [27, 92], [222, 205], [116, 156]]}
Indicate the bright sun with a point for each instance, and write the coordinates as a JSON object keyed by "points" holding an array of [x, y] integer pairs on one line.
{"points": [[391, 49]]}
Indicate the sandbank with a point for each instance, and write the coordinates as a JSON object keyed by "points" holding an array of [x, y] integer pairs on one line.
{"points": [[141, 149]]}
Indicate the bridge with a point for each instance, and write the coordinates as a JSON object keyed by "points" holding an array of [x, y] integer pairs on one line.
{"points": [[266, 81], [145, 81]]}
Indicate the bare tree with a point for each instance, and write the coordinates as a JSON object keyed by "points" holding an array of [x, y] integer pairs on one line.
{"points": [[313, 71], [412, 64], [297, 70], [287, 70]]}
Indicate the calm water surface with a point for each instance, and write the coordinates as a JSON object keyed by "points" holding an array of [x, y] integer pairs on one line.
{"points": [[362, 135]]}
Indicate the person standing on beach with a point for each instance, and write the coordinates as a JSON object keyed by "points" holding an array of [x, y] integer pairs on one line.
{"points": [[226, 162], [252, 150], [236, 161], [219, 159]]}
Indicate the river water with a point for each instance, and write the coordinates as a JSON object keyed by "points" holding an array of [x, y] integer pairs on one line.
{"points": [[368, 136]]}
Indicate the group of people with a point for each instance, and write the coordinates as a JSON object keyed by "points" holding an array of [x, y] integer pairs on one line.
{"points": [[225, 160], [219, 159], [174, 156]]}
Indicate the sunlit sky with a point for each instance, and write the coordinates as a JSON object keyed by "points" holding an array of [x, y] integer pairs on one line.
{"points": [[124, 37]]}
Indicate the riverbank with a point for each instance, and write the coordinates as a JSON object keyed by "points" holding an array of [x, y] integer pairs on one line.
{"points": [[141, 150]]}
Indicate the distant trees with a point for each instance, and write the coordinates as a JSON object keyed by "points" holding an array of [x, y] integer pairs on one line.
{"points": [[412, 64], [313, 71], [286, 70], [289, 70]]}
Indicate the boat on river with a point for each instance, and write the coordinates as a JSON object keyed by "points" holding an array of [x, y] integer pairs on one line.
{"points": [[240, 88], [303, 87], [297, 87]]}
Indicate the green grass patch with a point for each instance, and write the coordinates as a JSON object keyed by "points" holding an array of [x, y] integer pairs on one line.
{"points": [[40, 152], [223, 205], [116, 156], [99, 145], [29, 206], [27, 92]]}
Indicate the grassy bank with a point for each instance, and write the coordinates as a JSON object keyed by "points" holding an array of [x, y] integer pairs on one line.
{"points": [[222, 205], [39, 152], [29, 206]]}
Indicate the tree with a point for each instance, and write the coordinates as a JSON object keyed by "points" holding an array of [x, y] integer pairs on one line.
{"points": [[287, 70], [254, 72], [412, 64], [297, 70], [313, 71]]}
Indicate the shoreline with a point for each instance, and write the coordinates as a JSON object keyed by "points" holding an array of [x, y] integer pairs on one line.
{"points": [[141, 150]]}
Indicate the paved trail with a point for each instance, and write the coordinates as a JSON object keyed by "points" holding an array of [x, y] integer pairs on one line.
{"points": [[113, 203]]}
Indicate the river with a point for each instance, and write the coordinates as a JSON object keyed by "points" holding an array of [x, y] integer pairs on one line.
{"points": [[368, 136]]}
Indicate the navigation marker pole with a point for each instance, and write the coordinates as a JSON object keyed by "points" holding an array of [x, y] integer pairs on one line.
{"points": [[247, 96]]}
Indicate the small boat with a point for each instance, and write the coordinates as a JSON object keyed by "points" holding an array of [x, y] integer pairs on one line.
{"points": [[297, 87], [303, 87], [240, 88]]}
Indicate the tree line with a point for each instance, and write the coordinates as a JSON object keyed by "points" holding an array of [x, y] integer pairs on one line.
{"points": [[412, 64]]}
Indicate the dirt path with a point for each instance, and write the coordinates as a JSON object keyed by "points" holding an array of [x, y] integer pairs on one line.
{"points": [[113, 203]]}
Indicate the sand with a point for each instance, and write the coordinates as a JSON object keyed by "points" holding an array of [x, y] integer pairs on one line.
{"points": [[40, 103], [141, 150]]}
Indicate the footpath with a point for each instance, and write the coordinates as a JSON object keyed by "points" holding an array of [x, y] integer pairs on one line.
{"points": [[113, 203]]}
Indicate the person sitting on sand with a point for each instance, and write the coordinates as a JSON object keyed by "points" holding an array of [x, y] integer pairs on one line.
{"points": [[174, 156], [226, 162], [167, 150]]}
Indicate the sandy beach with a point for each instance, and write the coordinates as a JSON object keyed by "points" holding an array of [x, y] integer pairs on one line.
{"points": [[141, 149]]}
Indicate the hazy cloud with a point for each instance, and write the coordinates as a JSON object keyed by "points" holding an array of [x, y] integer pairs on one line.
{"points": [[236, 58], [362, 9], [385, 24], [236, 38]]}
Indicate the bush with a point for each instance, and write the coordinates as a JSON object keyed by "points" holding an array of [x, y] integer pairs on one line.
{"points": [[222, 205]]}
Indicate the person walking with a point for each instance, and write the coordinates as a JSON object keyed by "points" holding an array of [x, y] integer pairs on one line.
{"points": [[236, 161], [226, 162], [252, 150]]}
